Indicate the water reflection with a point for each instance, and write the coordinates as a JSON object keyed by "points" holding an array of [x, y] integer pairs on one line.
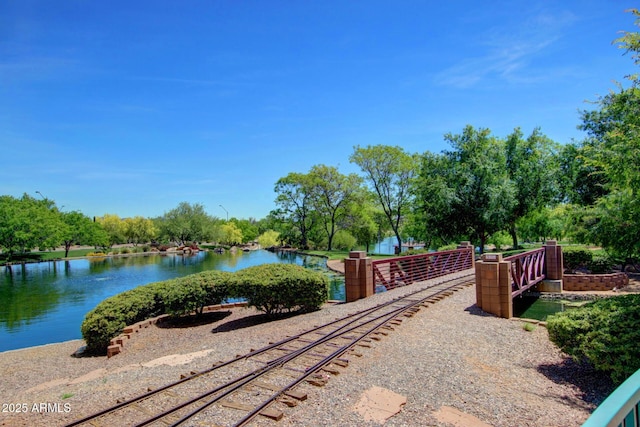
{"points": [[46, 302]]}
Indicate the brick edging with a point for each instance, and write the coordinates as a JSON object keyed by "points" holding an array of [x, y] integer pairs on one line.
{"points": [[594, 282], [128, 332]]}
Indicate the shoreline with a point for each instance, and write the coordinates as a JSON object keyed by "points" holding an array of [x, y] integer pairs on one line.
{"points": [[448, 355]]}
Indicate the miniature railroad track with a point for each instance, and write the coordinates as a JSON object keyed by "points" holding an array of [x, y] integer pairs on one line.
{"points": [[236, 391]]}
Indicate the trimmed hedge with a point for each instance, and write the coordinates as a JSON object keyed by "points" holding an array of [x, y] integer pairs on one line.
{"points": [[272, 288], [576, 257], [276, 288], [605, 332], [176, 297]]}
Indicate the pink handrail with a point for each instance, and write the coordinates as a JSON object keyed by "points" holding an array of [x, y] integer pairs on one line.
{"points": [[405, 270], [527, 270]]}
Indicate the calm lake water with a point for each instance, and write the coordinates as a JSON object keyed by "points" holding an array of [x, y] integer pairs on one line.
{"points": [[46, 302], [530, 307]]}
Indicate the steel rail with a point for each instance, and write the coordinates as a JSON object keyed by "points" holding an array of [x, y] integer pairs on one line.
{"points": [[378, 321], [336, 354], [240, 382]]}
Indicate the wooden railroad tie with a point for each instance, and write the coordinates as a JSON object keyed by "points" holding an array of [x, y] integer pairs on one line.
{"points": [[317, 380], [274, 414]]}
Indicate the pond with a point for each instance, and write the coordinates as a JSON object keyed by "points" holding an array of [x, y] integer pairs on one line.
{"points": [[43, 303], [533, 307]]}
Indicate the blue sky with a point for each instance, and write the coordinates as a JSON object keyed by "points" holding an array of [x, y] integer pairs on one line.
{"points": [[132, 107]]}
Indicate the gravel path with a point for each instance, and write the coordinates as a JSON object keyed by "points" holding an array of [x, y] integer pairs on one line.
{"points": [[448, 357]]}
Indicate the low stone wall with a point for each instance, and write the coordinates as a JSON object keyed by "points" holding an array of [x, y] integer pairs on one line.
{"points": [[117, 344], [594, 282]]}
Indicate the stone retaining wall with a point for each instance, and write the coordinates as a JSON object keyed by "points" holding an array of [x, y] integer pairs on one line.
{"points": [[594, 282], [117, 344]]}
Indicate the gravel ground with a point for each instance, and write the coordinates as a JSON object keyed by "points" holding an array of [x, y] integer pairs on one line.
{"points": [[450, 355]]}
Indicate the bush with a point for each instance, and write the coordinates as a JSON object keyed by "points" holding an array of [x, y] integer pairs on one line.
{"points": [[600, 264], [576, 257], [343, 240], [275, 288], [192, 293], [176, 297], [605, 332], [449, 247], [109, 317]]}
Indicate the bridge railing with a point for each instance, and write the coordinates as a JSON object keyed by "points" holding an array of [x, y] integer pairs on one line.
{"points": [[621, 408], [401, 271], [527, 270]]}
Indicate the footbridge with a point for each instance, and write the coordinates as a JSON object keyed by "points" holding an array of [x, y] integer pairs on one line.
{"points": [[498, 279]]}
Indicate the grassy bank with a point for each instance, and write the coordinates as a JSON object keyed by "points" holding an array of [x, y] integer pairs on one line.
{"points": [[342, 254]]}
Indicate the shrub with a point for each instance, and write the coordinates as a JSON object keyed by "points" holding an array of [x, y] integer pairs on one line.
{"points": [[576, 257], [605, 332], [176, 297], [109, 317], [343, 240], [449, 247], [275, 288], [600, 264], [101, 254], [193, 292], [269, 239]]}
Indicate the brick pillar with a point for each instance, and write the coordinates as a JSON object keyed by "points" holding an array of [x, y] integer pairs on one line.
{"points": [[358, 276], [553, 260], [468, 245], [493, 285]]}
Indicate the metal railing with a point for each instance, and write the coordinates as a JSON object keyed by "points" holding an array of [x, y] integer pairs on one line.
{"points": [[401, 271], [621, 408], [527, 270]]}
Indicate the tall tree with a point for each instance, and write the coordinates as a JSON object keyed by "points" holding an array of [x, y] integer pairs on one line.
{"points": [[466, 191], [139, 230], [28, 223], [433, 219], [331, 193], [390, 172], [295, 201], [78, 229], [189, 223], [581, 181], [113, 225], [532, 167], [614, 131]]}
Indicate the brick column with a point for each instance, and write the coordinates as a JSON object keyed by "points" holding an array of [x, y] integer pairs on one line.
{"points": [[493, 285], [358, 276], [553, 260]]}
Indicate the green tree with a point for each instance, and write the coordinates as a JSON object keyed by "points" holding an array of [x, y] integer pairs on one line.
{"points": [[364, 220], [294, 198], [331, 193], [434, 219], [581, 182], [614, 149], [390, 171], [269, 239], [114, 227], [533, 168], [189, 223], [138, 230], [248, 227], [28, 223], [78, 229], [467, 191], [231, 234]]}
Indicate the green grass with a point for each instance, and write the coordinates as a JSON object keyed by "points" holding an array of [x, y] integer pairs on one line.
{"points": [[343, 254], [44, 256]]}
